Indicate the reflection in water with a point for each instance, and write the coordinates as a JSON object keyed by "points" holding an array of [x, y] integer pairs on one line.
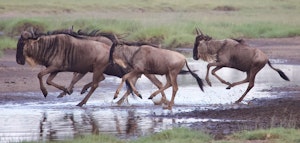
{"points": [[59, 119]]}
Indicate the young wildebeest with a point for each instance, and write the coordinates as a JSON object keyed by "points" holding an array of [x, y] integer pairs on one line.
{"points": [[146, 59], [63, 52], [233, 54], [111, 69]]}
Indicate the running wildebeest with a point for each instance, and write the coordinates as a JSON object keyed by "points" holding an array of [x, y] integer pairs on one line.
{"points": [[111, 69], [231, 53], [147, 59], [63, 52]]}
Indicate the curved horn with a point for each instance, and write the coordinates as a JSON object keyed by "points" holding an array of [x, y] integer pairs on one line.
{"points": [[199, 31], [32, 32]]}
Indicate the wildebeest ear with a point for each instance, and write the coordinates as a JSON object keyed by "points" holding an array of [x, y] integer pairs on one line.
{"points": [[26, 35]]}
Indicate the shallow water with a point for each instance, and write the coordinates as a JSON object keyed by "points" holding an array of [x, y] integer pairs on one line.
{"points": [[34, 118]]}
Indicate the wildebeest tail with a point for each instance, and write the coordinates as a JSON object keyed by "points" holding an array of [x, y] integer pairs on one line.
{"points": [[112, 49], [185, 71], [199, 80], [281, 73]]}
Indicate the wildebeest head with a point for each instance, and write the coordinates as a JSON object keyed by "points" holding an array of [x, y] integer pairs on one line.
{"points": [[200, 38], [25, 35]]}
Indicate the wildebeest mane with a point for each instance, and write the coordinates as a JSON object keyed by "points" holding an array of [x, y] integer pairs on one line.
{"points": [[240, 40], [138, 44], [97, 32]]}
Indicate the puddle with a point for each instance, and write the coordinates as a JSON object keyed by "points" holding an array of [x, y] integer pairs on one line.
{"points": [[34, 118]]}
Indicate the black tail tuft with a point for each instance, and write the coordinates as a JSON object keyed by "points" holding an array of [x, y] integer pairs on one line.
{"points": [[199, 80], [281, 73]]}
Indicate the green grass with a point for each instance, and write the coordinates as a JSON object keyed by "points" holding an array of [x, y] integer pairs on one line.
{"points": [[275, 135], [170, 23], [183, 135]]}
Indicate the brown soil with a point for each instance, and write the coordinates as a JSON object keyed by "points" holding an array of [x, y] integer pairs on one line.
{"points": [[263, 113]]}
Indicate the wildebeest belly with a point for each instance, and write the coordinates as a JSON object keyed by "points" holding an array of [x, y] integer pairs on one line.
{"points": [[247, 58]]}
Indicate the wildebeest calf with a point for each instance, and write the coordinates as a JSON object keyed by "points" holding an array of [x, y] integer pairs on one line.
{"points": [[146, 59]]}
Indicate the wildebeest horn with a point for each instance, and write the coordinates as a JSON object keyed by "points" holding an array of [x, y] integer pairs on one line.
{"points": [[199, 31], [116, 40], [32, 32]]}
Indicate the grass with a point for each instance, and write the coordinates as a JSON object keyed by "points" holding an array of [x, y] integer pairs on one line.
{"points": [[169, 23], [274, 135], [180, 135]]}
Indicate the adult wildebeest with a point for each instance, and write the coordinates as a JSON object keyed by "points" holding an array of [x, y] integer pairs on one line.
{"points": [[231, 53], [111, 69], [146, 59], [63, 52]]}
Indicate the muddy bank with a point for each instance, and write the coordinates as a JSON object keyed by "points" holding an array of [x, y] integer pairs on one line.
{"points": [[259, 114]]}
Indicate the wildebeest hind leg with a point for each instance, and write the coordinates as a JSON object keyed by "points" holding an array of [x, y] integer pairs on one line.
{"points": [[252, 75], [240, 82], [167, 85], [159, 85], [174, 91]]}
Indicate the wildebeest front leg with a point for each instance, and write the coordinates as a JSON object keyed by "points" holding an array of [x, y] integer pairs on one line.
{"points": [[125, 96], [97, 77], [213, 72], [75, 79], [50, 82], [218, 66], [128, 77], [40, 77]]}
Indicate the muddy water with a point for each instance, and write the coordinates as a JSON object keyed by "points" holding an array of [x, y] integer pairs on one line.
{"points": [[34, 118]]}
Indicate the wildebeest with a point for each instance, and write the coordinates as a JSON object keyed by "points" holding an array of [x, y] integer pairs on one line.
{"points": [[111, 69], [146, 59], [63, 52], [231, 53]]}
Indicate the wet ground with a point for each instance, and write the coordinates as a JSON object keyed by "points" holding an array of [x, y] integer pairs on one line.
{"points": [[27, 115]]}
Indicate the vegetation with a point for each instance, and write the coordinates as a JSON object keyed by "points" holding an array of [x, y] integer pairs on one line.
{"points": [[181, 135], [170, 23]]}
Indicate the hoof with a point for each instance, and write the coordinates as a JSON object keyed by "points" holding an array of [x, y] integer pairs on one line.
{"points": [[139, 95], [45, 93], [61, 95], [80, 104], [69, 92], [150, 97], [237, 102], [83, 91], [167, 108], [228, 87]]}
